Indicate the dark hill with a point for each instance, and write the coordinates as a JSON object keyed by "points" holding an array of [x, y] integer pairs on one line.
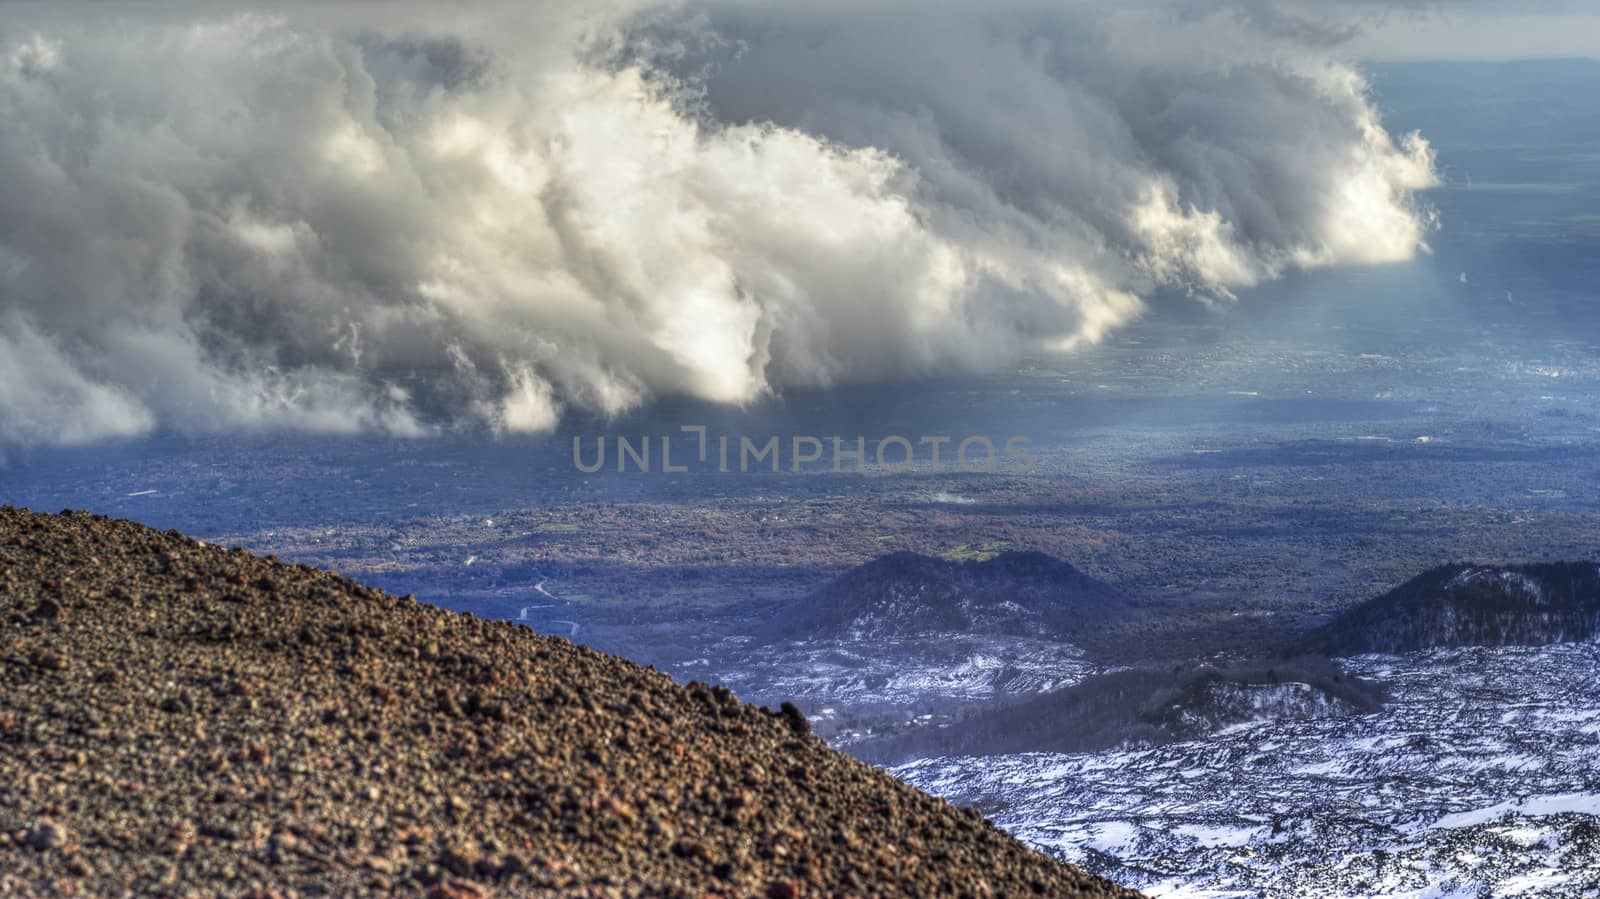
{"points": [[1020, 594], [1472, 605], [180, 719]]}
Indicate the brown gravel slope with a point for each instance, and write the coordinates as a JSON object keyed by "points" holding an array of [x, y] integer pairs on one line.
{"points": [[182, 719]]}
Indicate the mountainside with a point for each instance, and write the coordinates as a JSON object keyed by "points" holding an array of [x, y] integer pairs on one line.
{"points": [[1143, 707], [1472, 605], [178, 718], [1019, 594]]}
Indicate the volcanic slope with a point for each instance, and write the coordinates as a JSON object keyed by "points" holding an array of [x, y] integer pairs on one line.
{"points": [[1019, 594], [1472, 605], [177, 718]]}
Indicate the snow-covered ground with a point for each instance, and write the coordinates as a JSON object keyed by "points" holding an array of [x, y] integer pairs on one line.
{"points": [[935, 670], [1480, 779]]}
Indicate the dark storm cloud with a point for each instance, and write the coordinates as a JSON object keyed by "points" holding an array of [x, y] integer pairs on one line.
{"points": [[387, 217]]}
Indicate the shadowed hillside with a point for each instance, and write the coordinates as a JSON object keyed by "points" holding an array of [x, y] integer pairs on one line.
{"points": [[1472, 605], [1141, 707]]}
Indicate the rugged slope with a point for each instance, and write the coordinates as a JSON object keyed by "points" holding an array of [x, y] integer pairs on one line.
{"points": [[180, 718], [1020, 594], [1472, 605]]}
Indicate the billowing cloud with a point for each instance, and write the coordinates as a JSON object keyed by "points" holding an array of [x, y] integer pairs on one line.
{"points": [[368, 217]]}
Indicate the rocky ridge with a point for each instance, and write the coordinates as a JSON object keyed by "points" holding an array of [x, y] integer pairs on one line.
{"points": [[182, 719]]}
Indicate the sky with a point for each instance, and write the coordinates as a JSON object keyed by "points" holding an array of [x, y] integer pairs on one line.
{"points": [[402, 218], [1474, 30]]}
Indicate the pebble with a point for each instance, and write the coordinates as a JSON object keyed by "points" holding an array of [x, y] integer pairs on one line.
{"points": [[46, 834]]}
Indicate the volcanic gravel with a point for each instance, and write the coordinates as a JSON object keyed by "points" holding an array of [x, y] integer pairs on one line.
{"points": [[182, 719]]}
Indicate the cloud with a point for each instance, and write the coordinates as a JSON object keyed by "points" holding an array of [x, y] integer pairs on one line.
{"points": [[45, 398], [351, 218]]}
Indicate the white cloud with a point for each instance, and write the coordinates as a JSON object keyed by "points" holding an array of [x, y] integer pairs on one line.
{"points": [[350, 218]]}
